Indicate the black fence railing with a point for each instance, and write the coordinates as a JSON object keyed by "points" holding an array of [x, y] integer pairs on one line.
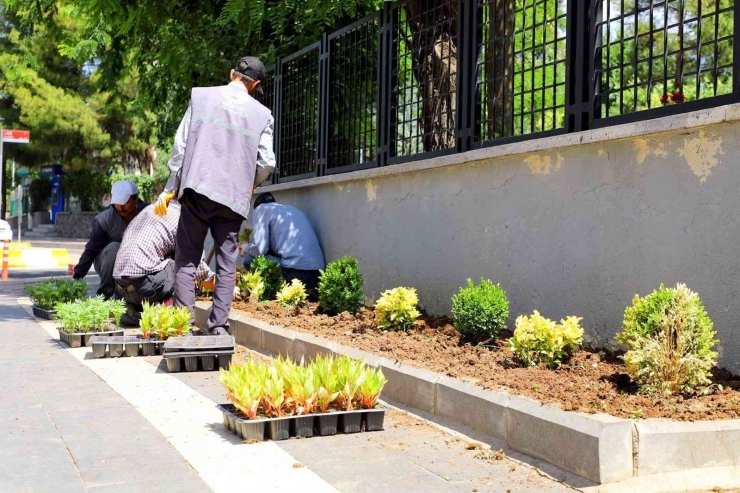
{"points": [[422, 78]]}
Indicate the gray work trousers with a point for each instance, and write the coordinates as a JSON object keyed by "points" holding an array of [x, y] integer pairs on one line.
{"points": [[198, 213], [104, 263], [151, 288]]}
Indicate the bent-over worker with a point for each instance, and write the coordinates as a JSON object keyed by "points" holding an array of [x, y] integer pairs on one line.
{"points": [[106, 235], [222, 150], [283, 233]]}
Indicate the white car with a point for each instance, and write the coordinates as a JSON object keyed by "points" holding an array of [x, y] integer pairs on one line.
{"points": [[6, 232]]}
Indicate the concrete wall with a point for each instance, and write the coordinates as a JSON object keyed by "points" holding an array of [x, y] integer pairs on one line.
{"points": [[575, 227], [74, 224]]}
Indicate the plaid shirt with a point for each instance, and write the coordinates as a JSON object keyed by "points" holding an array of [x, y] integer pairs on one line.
{"points": [[149, 243]]}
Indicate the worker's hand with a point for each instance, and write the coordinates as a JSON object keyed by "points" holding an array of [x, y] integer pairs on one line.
{"points": [[163, 201], [77, 276], [209, 284]]}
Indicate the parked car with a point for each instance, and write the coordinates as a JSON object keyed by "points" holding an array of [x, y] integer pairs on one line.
{"points": [[6, 232]]}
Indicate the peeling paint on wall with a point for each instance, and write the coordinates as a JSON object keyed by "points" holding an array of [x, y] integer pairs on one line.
{"points": [[371, 190], [645, 148], [543, 165], [701, 154]]}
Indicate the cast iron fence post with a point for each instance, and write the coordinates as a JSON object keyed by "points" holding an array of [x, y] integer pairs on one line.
{"points": [[384, 83], [466, 75], [580, 70], [277, 108], [323, 116]]}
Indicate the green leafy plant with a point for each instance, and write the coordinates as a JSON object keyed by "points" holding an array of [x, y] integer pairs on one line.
{"points": [[271, 275], [480, 312], [326, 380], [181, 320], [47, 294], [370, 388], [91, 315], [117, 309], [350, 376], [396, 309], [340, 287], [253, 284], [670, 341], [539, 340], [148, 319], [244, 235], [292, 295]]}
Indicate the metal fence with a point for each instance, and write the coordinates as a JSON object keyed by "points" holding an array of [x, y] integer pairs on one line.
{"points": [[422, 78]]}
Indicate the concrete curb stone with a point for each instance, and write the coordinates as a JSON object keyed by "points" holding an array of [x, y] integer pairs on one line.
{"points": [[472, 406]]}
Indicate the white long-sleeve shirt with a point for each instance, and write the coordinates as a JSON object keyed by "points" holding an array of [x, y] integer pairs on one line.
{"points": [[265, 154]]}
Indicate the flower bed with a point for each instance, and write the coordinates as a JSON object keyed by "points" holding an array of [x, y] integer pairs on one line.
{"points": [[590, 381]]}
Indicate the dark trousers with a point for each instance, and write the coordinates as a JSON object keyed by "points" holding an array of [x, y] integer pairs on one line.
{"points": [[198, 214], [309, 278], [104, 263], [152, 288]]}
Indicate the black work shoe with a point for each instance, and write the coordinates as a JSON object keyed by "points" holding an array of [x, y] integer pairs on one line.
{"points": [[219, 331]]}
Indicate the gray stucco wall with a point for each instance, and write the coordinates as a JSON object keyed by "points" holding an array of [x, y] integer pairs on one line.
{"points": [[568, 231]]}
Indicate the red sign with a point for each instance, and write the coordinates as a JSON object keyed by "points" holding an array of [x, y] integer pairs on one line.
{"points": [[17, 136]]}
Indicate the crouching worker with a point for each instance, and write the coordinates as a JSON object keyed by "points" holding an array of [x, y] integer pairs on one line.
{"points": [[106, 235], [145, 266], [283, 233]]}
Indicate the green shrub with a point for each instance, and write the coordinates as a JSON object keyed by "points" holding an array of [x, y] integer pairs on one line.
{"points": [[340, 287], [292, 295], [145, 184], [540, 340], [669, 339], [272, 276], [480, 312], [47, 294], [396, 309]]}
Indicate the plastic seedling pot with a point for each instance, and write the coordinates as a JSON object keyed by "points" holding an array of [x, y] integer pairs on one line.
{"points": [[89, 335], [249, 430], [350, 422], [374, 419], [116, 350], [174, 365], [148, 348], [191, 363], [208, 362], [224, 361], [328, 424], [278, 428], [43, 313], [303, 426], [72, 340], [160, 347], [132, 349], [98, 350]]}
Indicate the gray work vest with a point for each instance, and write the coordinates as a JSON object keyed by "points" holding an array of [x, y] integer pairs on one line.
{"points": [[113, 224], [221, 152]]}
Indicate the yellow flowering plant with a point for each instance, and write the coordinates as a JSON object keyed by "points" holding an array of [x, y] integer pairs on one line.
{"points": [[539, 340], [396, 309]]}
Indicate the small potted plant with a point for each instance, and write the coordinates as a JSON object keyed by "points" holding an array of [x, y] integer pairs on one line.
{"points": [[46, 295], [292, 296], [81, 320]]}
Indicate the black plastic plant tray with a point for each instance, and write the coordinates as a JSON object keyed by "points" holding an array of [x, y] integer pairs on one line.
{"points": [[198, 360], [191, 344], [43, 313], [302, 426], [125, 346], [82, 339]]}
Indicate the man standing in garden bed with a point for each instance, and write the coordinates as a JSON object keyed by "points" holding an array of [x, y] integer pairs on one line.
{"points": [[283, 233], [222, 150], [106, 235], [145, 268]]}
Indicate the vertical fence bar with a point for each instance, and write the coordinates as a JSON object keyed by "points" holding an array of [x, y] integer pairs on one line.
{"points": [[466, 68], [277, 109], [578, 78], [323, 127], [385, 71], [736, 52]]}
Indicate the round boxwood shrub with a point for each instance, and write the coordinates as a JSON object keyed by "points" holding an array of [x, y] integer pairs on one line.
{"points": [[480, 312], [669, 338], [272, 276], [340, 287]]}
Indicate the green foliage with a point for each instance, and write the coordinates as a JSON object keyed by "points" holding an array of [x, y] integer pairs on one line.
{"points": [[669, 339], [117, 309], [47, 294], [292, 295], [539, 340], [271, 275], [340, 287], [253, 284], [480, 312], [40, 192], [88, 186], [164, 321], [282, 387], [90, 315], [396, 309]]}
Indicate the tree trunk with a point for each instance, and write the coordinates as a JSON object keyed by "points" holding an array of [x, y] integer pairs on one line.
{"points": [[434, 27]]}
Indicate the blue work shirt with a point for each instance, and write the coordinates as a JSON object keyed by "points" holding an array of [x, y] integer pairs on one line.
{"points": [[284, 231]]}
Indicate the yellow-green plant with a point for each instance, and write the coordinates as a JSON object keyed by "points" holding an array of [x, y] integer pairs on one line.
{"points": [[242, 388], [163, 326], [181, 320], [396, 309], [370, 388], [670, 341], [350, 374], [326, 381], [292, 295], [254, 285], [539, 340], [146, 323], [274, 393], [302, 389]]}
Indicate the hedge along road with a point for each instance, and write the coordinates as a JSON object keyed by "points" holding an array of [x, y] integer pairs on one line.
{"points": [[137, 417]]}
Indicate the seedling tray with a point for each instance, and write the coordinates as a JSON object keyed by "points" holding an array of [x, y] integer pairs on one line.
{"points": [[125, 346], [82, 339], [43, 313], [322, 424], [193, 353]]}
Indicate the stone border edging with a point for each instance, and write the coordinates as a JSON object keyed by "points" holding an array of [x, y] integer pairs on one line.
{"points": [[599, 447]]}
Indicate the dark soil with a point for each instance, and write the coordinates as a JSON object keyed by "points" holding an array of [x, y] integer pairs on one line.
{"points": [[587, 382]]}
